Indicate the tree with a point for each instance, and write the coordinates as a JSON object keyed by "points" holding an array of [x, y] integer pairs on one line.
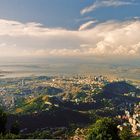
{"points": [[125, 134], [40, 135], [103, 129], [15, 128], [3, 121], [9, 136]]}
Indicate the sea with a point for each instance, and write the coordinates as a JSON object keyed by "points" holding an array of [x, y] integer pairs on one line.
{"points": [[52, 67]]}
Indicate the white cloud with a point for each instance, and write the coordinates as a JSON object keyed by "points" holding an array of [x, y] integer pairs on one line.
{"points": [[87, 25], [109, 39], [105, 3]]}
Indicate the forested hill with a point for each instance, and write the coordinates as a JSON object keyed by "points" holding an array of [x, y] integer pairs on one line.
{"points": [[121, 87]]}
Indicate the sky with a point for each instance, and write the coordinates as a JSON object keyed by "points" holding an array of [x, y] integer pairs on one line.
{"points": [[70, 28]]}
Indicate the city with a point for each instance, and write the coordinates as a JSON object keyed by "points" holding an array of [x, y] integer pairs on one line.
{"points": [[70, 69], [84, 94]]}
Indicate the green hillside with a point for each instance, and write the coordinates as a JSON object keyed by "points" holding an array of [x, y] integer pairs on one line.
{"points": [[36, 104]]}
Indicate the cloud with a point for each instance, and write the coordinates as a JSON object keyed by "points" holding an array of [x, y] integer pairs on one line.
{"points": [[87, 25], [109, 39], [105, 3]]}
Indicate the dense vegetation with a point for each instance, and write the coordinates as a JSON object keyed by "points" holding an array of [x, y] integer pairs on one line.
{"points": [[3, 120], [106, 129], [102, 129]]}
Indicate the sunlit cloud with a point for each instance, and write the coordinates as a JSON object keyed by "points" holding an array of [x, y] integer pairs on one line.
{"points": [[112, 38], [87, 25], [105, 3]]}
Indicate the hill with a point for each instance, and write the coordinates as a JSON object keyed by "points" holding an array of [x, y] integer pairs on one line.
{"points": [[121, 87], [55, 117]]}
